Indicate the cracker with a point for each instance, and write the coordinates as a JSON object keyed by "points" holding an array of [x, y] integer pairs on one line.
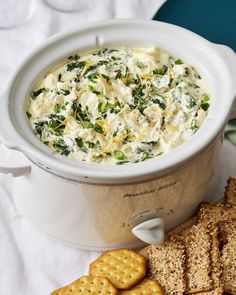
{"points": [[212, 213], [228, 255], [182, 228], [166, 265], [198, 247], [227, 230], [61, 291], [88, 285], [145, 287], [124, 268], [230, 192], [216, 269]]}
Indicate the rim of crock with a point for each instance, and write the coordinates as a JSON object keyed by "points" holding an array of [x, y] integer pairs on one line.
{"points": [[212, 126]]}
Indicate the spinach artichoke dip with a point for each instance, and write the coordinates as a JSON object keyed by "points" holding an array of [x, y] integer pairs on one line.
{"points": [[117, 106]]}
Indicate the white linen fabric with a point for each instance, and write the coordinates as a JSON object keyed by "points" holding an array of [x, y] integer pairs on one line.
{"points": [[30, 262]]}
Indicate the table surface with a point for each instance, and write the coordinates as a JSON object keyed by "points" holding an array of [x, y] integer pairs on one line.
{"points": [[31, 263]]}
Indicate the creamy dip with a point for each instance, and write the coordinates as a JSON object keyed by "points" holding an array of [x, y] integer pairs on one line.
{"points": [[118, 105]]}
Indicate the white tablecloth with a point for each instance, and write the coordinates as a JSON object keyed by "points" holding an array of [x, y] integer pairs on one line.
{"points": [[31, 263]]}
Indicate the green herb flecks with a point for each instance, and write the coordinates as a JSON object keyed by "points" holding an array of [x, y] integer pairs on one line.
{"points": [[139, 101], [118, 74], [105, 77], [178, 62], [194, 128], [37, 92], [151, 143], [84, 118], [93, 69], [97, 157], [193, 85], [96, 127], [57, 107], [118, 155], [90, 144], [56, 121], [93, 77], [140, 65], [61, 147], [91, 88], [79, 142], [28, 114], [78, 65], [104, 52], [53, 124], [39, 127], [102, 106], [73, 57], [161, 104], [65, 92], [205, 102], [113, 108], [160, 71], [122, 162], [192, 103]]}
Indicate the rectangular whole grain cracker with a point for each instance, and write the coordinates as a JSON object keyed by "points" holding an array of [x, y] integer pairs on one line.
{"points": [[216, 269], [166, 265], [230, 192], [182, 229], [214, 213], [228, 255], [198, 264]]}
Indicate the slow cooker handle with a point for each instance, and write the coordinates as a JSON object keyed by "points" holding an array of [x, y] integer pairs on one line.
{"points": [[150, 231], [13, 162]]}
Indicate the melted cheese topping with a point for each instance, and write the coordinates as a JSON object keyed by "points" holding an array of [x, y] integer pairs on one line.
{"points": [[116, 106]]}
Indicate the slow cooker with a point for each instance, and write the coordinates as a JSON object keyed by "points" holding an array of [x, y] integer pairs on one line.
{"points": [[99, 206]]}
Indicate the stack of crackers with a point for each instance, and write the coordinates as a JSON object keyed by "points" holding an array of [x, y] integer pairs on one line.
{"points": [[117, 272], [199, 256]]}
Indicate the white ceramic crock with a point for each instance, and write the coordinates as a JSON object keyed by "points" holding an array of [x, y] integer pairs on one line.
{"points": [[97, 207]]}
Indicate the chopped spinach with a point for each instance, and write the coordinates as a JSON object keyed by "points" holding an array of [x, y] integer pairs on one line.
{"points": [[93, 77], [152, 143], [36, 93], [139, 101], [140, 65], [61, 147], [79, 142], [160, 103], [105, 77], [118, 74], [205, 102], [90, 144], [192, 103], [55, 121], [104, 52], [73, 57], [194, 128], [160, 71], [205, 106], [98, 128], [39, 127], [75, 65], [97, 157], [65, 92], [28, 114], [122, 162], [178, 62]]}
